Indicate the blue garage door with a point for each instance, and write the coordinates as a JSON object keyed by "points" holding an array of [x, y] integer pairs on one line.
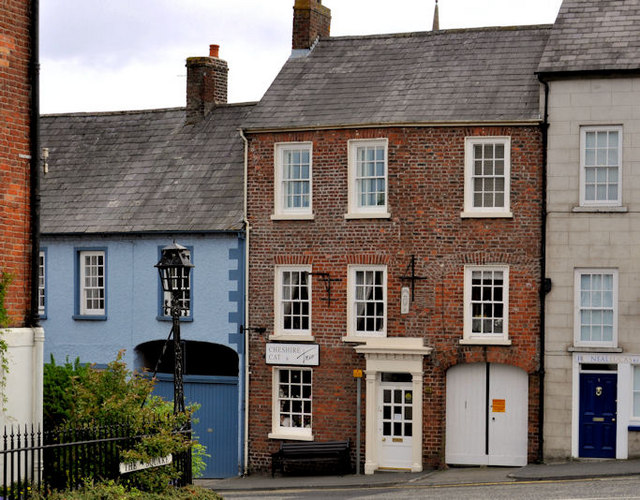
{"points": [[217, 426]]}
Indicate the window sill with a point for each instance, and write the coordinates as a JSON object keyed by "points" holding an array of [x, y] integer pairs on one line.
{"points": [[291, 336], [183, 319], [361, 339], [296, 437], [365, 215], [82, 317], [490, 341], [486, 215], [293, 216], [600, 209], [591, 348]]}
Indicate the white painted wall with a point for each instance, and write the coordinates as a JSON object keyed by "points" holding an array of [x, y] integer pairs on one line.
{"points": [[587, 239]]}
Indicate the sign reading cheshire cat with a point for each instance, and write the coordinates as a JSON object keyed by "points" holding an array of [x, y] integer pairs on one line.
{"points": [[293, 354]]}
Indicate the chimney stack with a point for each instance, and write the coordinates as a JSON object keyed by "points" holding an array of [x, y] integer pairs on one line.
{"points": [[311, 19], [206, 84]]}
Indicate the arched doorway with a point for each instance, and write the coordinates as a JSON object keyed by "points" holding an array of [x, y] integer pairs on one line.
{"points": [[211, 380]]}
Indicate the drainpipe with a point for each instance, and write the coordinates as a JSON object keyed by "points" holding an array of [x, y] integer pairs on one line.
{"points": [[34, 140], [544, 289], [245, 331]]}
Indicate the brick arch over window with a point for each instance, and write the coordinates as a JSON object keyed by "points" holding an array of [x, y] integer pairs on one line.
{"points": [[200, 358]]}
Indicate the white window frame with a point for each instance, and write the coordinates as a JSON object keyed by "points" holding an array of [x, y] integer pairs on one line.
{"points": [[279, 314], [471, 337], [278, 430], [281, 211], [42, 283], [583, 167], [578, 273], [470, 210], [635, 392], [355, 208], [83, 289], [352, 315]]}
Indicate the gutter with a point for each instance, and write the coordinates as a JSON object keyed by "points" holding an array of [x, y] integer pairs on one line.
{"points": [[343, 126], [34, 140], [544, 289], [245, 331]]}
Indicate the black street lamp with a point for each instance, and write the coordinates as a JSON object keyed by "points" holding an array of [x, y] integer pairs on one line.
{"points": [[174, 269]]}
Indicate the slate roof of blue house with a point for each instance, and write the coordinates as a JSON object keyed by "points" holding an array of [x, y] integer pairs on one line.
{"points": [[470, 75], [143, 171], [601, 35]]}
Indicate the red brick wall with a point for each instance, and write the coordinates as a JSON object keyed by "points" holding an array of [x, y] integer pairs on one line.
{"points": [[15, 247], [426, 188]]}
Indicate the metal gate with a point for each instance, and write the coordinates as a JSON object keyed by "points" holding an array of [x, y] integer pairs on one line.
{"points": [[217, 419]]}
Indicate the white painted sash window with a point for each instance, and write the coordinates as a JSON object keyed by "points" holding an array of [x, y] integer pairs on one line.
{"points": [[92, 283], [486, 305], [42, 291], [368, 178], [367, 314], [487, 177], [293, 181], [600, 166], [596, 307], [293, 301], [292, 403]]}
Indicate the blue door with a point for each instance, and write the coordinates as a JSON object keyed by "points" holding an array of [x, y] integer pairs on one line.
{"points": [[217, 426], [598, 406]]}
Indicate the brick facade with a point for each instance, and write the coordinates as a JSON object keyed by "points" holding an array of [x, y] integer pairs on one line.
{"points": [[15, 230], [426, 198]]}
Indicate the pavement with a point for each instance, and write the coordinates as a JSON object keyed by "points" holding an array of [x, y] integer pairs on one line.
{"points": [[574, 469]]}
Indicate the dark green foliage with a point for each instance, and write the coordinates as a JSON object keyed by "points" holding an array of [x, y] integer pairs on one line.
{"points": [[59, 397]]}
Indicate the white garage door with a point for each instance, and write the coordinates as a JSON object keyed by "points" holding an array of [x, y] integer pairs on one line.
{"points": [[486, 415]]}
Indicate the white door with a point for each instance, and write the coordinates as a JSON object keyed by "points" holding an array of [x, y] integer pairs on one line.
{"points": [[466, 404], [395, 425], [508, 415], [486, 415]]}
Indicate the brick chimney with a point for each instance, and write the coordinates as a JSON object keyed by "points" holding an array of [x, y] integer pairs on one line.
{"points": [[206, 84], [311, 19]]}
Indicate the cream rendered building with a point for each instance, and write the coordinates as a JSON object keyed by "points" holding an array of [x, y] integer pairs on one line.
{"points": [[591, 71]]}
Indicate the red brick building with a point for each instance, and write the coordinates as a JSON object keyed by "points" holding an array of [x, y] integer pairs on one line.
{"points": [[394, 209], [18, 208]]}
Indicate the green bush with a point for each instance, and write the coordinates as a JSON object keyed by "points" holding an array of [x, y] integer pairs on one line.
{"points": [[58, 395], [111, 490], [115, 395]]}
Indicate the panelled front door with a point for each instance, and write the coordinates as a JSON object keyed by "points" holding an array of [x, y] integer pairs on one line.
{"points": [[395, 425], [598, 393]]}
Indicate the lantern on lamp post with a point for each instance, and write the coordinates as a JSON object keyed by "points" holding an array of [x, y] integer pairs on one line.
{"points": [[174, 269]]}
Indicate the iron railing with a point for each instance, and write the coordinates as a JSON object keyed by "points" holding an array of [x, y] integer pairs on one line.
{"points": [[60, 459]]}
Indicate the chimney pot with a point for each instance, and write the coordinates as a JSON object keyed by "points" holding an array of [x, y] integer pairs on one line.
{"points": [[214, 50]]}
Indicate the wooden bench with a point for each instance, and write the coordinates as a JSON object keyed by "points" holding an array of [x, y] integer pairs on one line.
{"points": [[336, 451]]}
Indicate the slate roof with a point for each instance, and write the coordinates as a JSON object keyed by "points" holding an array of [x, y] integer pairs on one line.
{"points": [[602, 35], [477, 75], [143, 171]]}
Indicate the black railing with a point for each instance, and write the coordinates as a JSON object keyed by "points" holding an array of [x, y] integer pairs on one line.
{"points": [[35, 460]]}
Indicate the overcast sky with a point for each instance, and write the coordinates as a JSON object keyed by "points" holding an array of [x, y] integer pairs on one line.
{"points": [[107, 55]]}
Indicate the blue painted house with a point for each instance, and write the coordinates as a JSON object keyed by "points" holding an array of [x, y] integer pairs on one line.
{"points": [[117, 188]]}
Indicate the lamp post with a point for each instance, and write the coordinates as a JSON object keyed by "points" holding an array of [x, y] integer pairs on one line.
{"points": [[174, 269]]}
